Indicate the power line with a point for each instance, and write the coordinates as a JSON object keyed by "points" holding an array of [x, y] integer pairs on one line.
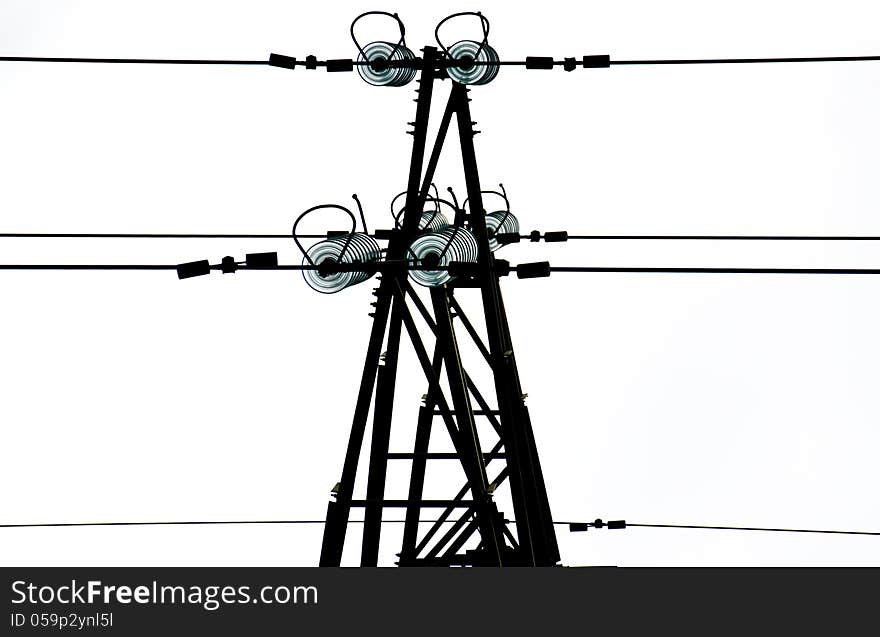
{"points": [[582, 269], [79, 60], [856, 58], [198, 523], [591, 237], [378, 266], [184, 523], [104, 266], [135, 267], [623, 524], [137, 235], [575, 526], [722, 237], [569, 64], [750, 528]]}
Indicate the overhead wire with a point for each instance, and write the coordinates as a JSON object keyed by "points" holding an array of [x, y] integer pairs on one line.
{"points": [[651, 270], [590, 237], [197, 522], [722, 237], [395, 521], [750, 528], [80, 60], [777, 60], [386, 265], [145, 235], [416, 61]]}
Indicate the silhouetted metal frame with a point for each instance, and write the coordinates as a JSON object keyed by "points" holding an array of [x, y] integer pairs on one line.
{"points": [[338, 511], [535, 541], [534, 522]]}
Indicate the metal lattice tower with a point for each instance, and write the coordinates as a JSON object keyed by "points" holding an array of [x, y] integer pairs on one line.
{"points": [[531, 539]]}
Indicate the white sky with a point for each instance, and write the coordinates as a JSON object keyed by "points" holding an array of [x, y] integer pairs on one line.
{"points": [[655, 398]]}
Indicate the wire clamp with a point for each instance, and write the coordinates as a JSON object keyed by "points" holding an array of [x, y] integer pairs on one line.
{"points": [[228, 265], [282, 61], [556, 237], [533, 270], [598, 523]]}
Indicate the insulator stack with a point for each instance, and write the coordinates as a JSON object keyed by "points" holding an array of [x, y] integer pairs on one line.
{"points": [[350, 248], [468, 52], [433, 221], [501, 222], [473, 61], [381, 70], [435, 249]]}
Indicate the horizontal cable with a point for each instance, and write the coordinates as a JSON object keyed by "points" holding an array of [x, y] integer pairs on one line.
{"points": [[137, 235], [592, 237], [201, 522], [290, 62], [417, 62], [194, 523], [307, 522], [839, 58], [381, 265], [582, 269], [105, 266], [623, 524], [750, 528], [165, 266], [129, 61], [611, 62], [719, 237]]}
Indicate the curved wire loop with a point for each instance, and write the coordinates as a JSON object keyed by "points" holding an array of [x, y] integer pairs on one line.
{"points": [[320, 207], [500, 221], [484, 22], [396, 215], [459, 212], [361, 211], [436, 197], [394, 16], [423, 223], [502, 194]]}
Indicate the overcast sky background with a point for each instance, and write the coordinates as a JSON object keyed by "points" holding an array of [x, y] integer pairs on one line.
{"points": [[689, 399]]}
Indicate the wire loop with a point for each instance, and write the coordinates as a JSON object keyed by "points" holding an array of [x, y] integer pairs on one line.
{"points": [[320, 207], [384, 63]]}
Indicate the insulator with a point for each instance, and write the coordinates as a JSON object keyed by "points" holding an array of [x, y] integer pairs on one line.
{"points": [[379, 72], [433, 221], [440, 249], [362, 248], [469, 50], [430, 220], [501, 222]]}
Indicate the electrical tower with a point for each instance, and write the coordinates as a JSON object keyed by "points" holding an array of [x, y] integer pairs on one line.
{"points": [[513, 458]]}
